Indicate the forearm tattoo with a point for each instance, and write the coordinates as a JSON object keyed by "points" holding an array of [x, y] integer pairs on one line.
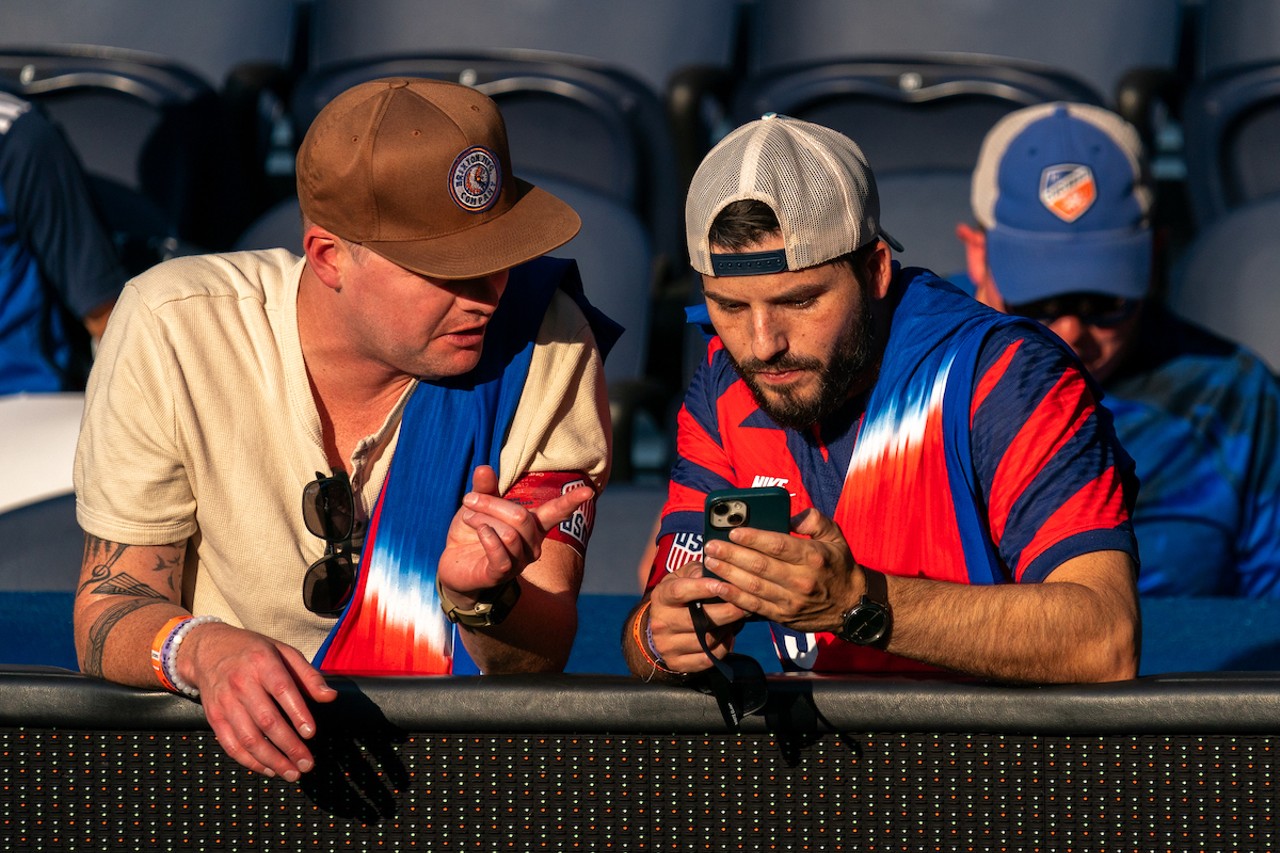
{"points": [[92, 662], [105, 576]]}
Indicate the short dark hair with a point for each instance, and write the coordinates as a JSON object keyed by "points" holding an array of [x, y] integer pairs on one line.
{"points": [[746, 222]]}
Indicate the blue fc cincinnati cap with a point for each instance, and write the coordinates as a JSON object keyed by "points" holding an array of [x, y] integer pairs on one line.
{"points": [[1062, 192]]}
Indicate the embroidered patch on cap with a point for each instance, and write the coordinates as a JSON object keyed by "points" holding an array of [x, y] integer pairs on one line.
{"points": [[1068, 190], [475, 179]]}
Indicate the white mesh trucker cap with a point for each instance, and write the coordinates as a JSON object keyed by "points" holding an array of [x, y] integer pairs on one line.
{"points": [[815, 179]]}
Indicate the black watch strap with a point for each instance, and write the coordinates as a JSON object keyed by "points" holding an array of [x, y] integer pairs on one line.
{"points": [[870, 621], [877, 587]]}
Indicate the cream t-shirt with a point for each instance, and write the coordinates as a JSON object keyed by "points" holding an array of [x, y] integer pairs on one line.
{"points": [[200, 425]]}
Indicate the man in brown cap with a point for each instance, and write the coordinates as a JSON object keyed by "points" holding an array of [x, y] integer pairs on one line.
{"points": [[381, 378]]}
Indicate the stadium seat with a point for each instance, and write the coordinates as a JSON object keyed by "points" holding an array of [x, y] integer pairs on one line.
{"points": [[1232, 136], [1099, 42], [1234, 34], [918, 85], [651, 41], [210, 41], [280, 227], [1232, 112], [920, 123], [242, 50], [685, 52], [1226, 279], [147, 134]]}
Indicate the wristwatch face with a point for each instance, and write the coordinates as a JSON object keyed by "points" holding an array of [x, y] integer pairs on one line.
{"points": [[866, 623]]}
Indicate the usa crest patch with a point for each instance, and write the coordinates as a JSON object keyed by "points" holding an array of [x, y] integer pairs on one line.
{"points": [[1068, 190], [475, 179], [579, 524], [686, 548]]}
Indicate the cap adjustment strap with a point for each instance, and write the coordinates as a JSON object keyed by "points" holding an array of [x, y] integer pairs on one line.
{"points": [[749, 263]]}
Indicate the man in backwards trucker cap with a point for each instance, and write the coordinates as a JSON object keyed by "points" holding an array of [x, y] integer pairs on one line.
{"points": [[262, 424], [1063, 204], [959, 502]]}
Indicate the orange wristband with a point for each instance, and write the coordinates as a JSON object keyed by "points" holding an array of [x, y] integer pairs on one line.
{"points": [[649, 654], [157, 650]]}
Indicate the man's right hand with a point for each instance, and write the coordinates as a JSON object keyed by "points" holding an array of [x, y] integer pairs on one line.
{"points": [[255, 691], [671, 624]]}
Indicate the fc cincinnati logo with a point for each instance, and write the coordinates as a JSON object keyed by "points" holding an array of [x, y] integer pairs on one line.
{"points": [[1068, 190], [475, 179]]}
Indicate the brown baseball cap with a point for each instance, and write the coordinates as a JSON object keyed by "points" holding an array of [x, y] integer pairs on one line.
{"points": [[418, 171]]}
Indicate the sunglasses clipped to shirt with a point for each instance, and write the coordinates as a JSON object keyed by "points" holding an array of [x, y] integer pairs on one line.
{"points": [[1091, 309], [328, 508]]}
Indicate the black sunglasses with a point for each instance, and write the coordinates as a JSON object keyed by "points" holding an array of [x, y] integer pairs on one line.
{"points": [[1092, 309], [328, 508], [737, 681]]}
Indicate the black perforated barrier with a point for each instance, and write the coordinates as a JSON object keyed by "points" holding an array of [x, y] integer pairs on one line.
{"points": [[605, 763]]}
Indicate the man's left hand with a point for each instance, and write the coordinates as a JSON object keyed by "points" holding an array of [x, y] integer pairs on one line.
{"points": [[802, 583], [492, 540]]}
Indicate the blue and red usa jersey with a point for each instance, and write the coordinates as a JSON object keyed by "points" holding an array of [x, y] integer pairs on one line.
{"points": [[981, 456]]}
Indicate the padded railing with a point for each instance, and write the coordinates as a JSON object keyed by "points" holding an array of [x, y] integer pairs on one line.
{"points": [[579, 762]]}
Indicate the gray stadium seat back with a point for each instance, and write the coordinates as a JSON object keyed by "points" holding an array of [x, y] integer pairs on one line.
{"points": [[900, 109], [1231, 114], [1233, 34], [243, 50], [1232, 133], [920, 123], [615, 256], [921, 211], [280, 227], [651, 40], [146, 132], [43, 546], [1226, 281], [686, 53], [209, 39], [1098, 41]]}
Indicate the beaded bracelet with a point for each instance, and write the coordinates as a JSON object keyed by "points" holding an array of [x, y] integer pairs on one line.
{"points": [[164, 652], [646, 647]]}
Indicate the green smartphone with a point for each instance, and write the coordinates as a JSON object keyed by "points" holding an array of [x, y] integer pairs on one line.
{"points": [[764, 508]]}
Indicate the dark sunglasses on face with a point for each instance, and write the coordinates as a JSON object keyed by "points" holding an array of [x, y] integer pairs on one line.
{"points": [[1091, 309], [328, 509]]}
